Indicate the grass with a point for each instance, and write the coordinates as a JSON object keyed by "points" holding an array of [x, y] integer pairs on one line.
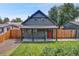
{"points": [[37, 49]]}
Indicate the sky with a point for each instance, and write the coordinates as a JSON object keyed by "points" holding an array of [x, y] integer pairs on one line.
{"points": [[23, 10]]}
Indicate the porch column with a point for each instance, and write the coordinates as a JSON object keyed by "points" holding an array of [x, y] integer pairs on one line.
{"points": [[56, 35], [52, 33], [32, 36], [76, 36], [44, 35], [21, 34]]}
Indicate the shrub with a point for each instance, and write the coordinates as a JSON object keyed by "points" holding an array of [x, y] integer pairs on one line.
{"points": [[47, 51], [59, 51]]}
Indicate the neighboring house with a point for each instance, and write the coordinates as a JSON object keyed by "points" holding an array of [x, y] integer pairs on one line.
{"points": [[8, 26], [38, 27], [73, 26], [4, 28], [15, 25]]}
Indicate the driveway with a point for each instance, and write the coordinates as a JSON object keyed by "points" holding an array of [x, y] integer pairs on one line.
{"points": [[8, 46]]}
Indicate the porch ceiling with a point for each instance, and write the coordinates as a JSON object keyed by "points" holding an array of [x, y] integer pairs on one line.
{"points": [[35, 26]]}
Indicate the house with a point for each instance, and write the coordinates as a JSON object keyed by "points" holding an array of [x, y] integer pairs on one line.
{"points": [[4, 28], [15, 25], [38, 27], [8, 26], [74, 25]]}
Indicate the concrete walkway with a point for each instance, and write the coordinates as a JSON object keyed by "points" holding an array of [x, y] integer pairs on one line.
{"points": [[8, 46]]}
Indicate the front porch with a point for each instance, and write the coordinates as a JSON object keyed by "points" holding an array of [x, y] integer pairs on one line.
{"points": [[30, 34]]}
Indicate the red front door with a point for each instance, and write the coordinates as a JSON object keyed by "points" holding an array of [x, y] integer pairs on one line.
{"points": [[49, 35]]}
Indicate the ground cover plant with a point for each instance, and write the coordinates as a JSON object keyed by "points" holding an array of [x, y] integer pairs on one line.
{"points": [[68, 48]]}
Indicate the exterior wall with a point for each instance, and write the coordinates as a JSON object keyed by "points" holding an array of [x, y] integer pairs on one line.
{"points": [[1, 30]]}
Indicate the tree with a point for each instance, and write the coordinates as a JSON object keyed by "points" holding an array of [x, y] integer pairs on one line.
{"points": [[18, 20], [64, 13], [53, 13], [6, 20], [13, 20]]}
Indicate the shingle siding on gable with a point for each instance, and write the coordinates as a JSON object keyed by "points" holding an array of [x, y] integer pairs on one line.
{"points": [[39, 15], [38, 19]]}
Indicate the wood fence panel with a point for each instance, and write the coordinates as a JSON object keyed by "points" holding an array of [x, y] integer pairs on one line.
{"points": [[61, 33], [15, 33], [4, 36]]}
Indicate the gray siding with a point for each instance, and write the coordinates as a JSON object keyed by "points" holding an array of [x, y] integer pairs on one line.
{"points": [[38, 21], [39, 15]]}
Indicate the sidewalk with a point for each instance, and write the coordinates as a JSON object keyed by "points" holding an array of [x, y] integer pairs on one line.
{"points": [[7, 47]]}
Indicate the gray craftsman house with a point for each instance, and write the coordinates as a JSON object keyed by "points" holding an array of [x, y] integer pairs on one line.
{"points": [[38, 27]]}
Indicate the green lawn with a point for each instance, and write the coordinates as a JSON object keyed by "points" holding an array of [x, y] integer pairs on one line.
{"points": [[50, 48]]}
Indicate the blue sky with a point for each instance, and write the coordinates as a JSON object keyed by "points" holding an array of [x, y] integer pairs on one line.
{"points": [[23, 10]]}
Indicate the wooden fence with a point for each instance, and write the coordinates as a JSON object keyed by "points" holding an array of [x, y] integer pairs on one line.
{"points": [[66, 33], [4, 36], [11, 34], [15, 33]]}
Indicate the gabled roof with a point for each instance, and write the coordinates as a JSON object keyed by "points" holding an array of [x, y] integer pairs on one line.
{"points": [[36, 13], [71, 25]]}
